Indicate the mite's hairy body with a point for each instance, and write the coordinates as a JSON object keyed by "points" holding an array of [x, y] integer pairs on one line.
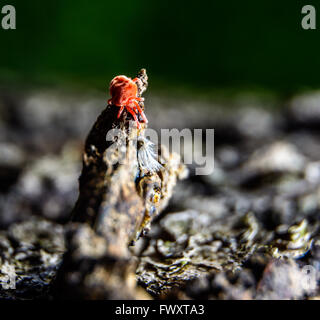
{"points": [[124, 94]]}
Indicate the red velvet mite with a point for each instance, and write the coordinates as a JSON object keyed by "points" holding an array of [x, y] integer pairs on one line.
{"points": [[124, 94]]}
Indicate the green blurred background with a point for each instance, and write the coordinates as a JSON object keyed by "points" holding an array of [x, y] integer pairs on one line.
{"points": [[198, 44]]}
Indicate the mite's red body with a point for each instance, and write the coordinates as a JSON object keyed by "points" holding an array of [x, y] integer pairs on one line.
{"points": [[124, 94]]}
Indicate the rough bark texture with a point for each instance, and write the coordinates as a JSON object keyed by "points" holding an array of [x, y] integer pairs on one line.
{"points": [[117, 200]]}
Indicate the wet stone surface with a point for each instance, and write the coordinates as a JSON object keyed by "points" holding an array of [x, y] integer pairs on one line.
{"points": [[31, 253], [246, 231]]}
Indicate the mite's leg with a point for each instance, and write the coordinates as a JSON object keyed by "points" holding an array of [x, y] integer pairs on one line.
{"points": [[134, 116], [141, 112], [132, 105], [120, 111], [134, 108]]}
